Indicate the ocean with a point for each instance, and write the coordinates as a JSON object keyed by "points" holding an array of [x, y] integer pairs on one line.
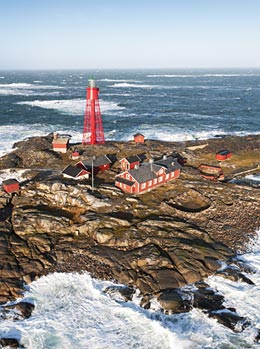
{"points": [[71, 310]]}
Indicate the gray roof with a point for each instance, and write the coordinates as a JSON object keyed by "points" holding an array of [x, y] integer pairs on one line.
{"points": [[135, 158], [72, 171], [124, 181], [132, 158], [170, 164], [98, 161], [146, 171], [143, 174], [10, 181]]}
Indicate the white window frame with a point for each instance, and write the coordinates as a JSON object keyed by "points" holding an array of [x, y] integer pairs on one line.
{"points": [[143, 185]]}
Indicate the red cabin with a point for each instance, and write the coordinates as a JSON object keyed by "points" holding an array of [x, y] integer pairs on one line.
{"points": [[138, 138], [223, 155], [11, 186], [131, 162]]}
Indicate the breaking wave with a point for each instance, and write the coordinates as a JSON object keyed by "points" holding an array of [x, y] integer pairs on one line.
{"points": [[124, 84], [81, 315], [24, 89], [197, 75], [71, 106], [118, 80]]}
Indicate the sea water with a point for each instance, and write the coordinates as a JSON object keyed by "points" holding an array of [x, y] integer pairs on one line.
{"points": [[71, 310], [161, 104]]}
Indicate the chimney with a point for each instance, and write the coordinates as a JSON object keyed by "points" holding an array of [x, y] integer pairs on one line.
{"points": [[55, 135], [151, 161]]}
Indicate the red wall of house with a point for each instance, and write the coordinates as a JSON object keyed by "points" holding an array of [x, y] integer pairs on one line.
{"points": [[125, 163], [10, 188], [104, 167], [137, 188], [139, 139]]}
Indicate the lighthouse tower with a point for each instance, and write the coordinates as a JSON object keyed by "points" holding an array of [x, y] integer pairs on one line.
{"points": [[93, 132]]}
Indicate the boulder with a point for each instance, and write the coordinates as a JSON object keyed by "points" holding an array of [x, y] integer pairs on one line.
{"points": [[120, 293], [230, 319], [172, 302]]}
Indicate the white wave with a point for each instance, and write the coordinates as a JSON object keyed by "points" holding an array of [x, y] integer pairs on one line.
{"points": [[118, 80], [80, 315], [24, 89], [198, 75], [71, 106], [2, 77], [255, 178], [244, 297], [12, 173], [21, 85], [170, 133], [10, 134], [71, 311], [124, 84]]}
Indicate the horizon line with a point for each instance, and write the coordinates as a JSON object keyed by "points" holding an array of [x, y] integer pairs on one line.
{"points": [[153, 68]]}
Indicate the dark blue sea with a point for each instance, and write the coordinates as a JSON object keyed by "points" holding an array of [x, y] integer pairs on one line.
{"points": [[71, 310], [161, 104]]}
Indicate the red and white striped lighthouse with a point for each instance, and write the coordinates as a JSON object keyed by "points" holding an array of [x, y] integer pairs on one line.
{"points": [[93, 132]]}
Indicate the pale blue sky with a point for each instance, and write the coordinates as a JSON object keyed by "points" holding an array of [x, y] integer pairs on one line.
{"points": [[83, 34]]}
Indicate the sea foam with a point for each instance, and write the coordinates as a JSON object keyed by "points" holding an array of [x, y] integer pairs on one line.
{"points": [[72, 311], [75, 106]]}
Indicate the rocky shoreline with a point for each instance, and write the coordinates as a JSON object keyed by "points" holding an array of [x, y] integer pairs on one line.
{"points": [[160, 241]]}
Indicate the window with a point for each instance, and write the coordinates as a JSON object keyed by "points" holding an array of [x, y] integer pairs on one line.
{"points": [[127, 176], [150, 183], [167, 176], [143, 185], [155, 181], [160, 179]]}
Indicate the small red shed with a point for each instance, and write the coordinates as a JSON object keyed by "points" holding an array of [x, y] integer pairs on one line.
{"points": [[139, 138], [75, 155], [223, 155], [60, 144], [11, 186]]}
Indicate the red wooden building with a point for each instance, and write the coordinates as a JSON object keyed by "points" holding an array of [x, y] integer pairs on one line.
{"points": [[99, 163], [11, 186], [223, 155], [139, 138], [130, 162], [148, 175]]}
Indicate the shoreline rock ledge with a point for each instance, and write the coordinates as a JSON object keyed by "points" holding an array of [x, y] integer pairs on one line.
{"points": [[160, 241]]}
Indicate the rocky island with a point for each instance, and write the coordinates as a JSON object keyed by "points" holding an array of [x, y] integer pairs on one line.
{"points": [[160, 241]]}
